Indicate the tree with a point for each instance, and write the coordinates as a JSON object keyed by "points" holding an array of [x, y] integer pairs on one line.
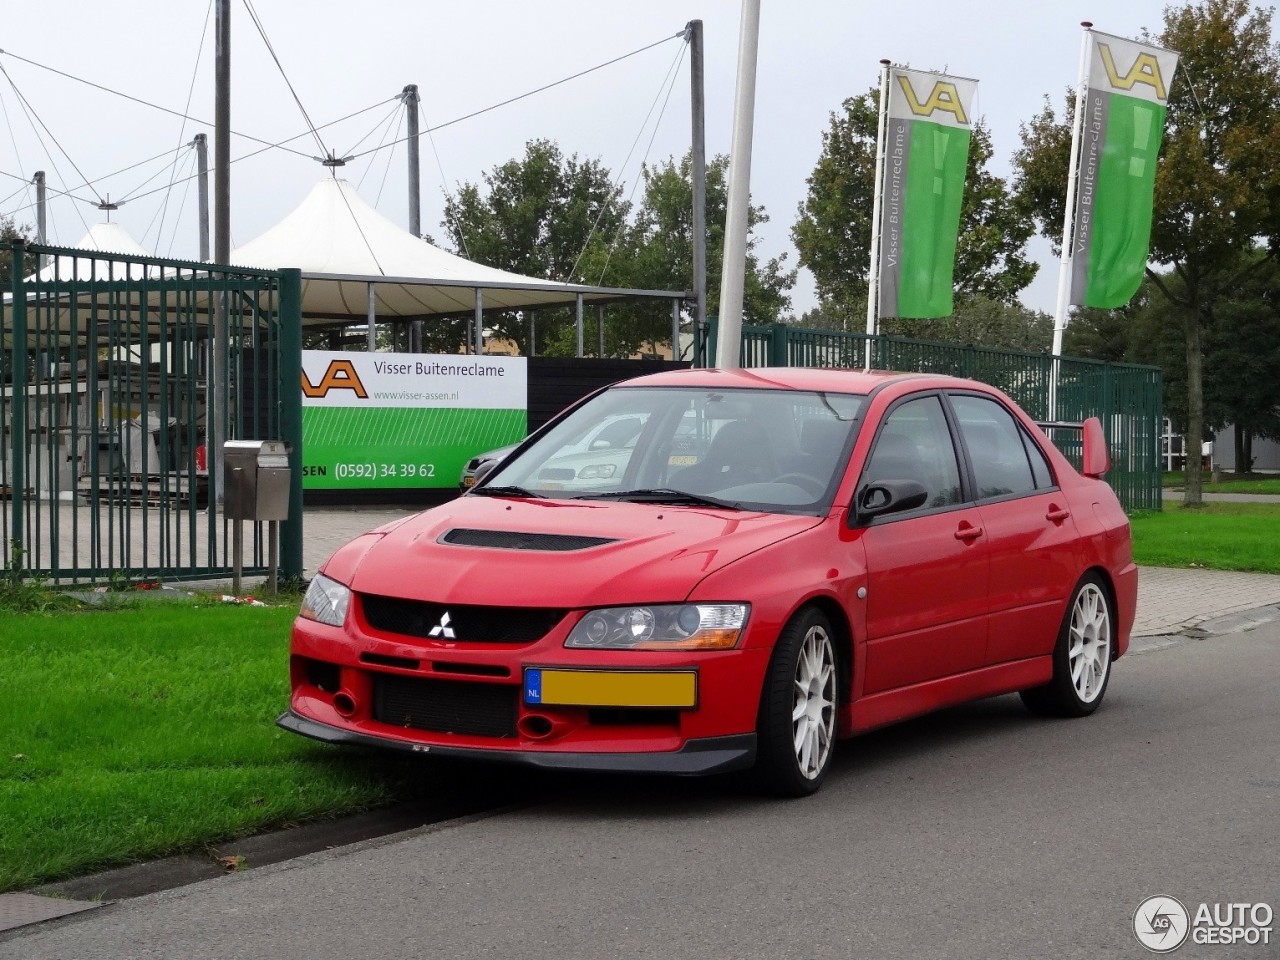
{"points": [[662, 241], [832, 231], [981, 321], [1217, 187], [539, 215], [1242, 360], [652, 251], [10, 231]]}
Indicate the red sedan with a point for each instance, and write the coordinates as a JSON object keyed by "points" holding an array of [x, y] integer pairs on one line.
{"points": [[776, 559]]}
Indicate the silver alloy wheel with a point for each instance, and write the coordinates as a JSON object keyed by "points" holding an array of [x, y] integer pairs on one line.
{"points": [[1089, 643], [813, 715]]}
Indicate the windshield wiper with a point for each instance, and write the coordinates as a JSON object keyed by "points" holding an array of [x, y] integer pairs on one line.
{"points": [[507, 491], [663, 495]]}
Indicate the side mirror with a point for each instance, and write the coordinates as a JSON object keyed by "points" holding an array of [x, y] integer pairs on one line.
{"points": [[889, 496], [1096, 460]]}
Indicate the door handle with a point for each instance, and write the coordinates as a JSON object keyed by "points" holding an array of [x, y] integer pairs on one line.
{"points": [[967, 533], [1057, 514]]}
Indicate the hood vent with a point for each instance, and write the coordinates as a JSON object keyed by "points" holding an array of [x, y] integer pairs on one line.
{"points": [[514, 540]]}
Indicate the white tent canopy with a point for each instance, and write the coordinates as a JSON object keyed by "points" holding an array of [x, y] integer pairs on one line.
{"points": [[348, 251], [101, 238]]}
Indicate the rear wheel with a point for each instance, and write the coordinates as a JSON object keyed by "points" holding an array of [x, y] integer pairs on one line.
{"points": [[1082, 656], [797, 717]]}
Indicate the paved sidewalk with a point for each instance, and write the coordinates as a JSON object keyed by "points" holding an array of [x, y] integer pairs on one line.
{"points": [[1169, 599]]}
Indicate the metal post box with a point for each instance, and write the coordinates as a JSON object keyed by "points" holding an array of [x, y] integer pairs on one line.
{"points": [[256, 479]]}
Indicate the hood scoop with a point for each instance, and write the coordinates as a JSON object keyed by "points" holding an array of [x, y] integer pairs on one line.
{"points": [[515, 540]]}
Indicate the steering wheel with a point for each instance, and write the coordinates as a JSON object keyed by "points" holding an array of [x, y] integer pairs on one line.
{"points": [[807, 483]]}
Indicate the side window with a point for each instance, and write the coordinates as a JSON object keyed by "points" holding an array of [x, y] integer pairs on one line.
{"points": [[915, 444], [995, 443], [1040, 469]]}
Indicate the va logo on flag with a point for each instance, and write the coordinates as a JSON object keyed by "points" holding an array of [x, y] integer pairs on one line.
{"points": [[1145, 69], [944, 97]]}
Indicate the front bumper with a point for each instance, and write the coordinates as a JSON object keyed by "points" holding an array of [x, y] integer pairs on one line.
{"points": [[696, 758]]}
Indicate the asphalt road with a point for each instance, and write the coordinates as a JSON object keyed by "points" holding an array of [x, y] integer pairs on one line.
{"points": [[979, 832]]}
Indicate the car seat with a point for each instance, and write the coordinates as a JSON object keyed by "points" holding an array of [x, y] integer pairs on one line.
{"points": [[739, 453]]}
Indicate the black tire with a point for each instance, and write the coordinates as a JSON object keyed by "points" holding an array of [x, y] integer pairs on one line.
{"points": [[1085, 641], [782, 768]]}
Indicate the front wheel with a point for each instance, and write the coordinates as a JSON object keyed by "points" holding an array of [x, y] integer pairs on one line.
{"points": [[797, 718], [1082, 656]]}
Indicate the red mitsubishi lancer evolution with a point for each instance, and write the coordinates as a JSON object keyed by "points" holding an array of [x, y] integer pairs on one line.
{"points": [[771, 560]]}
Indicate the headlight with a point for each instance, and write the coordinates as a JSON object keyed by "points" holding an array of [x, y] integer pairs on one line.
{"points": [[597, 471], [326, 601], [686, 626]]}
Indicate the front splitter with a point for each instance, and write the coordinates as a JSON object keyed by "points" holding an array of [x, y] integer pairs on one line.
{"points": [[696, 758]]}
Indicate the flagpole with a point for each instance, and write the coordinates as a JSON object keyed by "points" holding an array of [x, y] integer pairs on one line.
{"points": [[873, 271], [1068, 223], [738, 202]]}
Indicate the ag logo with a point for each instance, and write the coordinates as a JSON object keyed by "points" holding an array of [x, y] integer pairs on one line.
{"points": [[1161, 924], [340, 375]]}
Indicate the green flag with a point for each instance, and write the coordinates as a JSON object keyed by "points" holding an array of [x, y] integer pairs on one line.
{"points": [[1123, 121], [925, 154]]}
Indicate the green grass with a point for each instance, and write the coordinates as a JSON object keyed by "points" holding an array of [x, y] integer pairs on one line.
{"points": [[130, 734], [1229, 482], [1221, 536]]}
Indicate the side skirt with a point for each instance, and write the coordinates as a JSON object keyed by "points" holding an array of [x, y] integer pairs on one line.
{"points": [[881, 709]]}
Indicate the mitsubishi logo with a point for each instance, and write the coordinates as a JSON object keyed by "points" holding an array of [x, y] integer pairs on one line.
{"points": [[442, 629]]}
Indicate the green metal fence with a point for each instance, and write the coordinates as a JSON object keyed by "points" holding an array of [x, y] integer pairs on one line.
{"points": [[106, 369], [1127, 398]]}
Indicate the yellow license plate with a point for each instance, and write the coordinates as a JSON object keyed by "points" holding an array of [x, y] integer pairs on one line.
{"points": [[610, 688], [681, 460]]}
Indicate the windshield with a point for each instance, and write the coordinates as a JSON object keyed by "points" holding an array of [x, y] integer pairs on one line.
{"points": [[773, 450]]}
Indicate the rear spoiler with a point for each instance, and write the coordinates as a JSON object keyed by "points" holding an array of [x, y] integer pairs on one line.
{"points": [[1096, 459]]}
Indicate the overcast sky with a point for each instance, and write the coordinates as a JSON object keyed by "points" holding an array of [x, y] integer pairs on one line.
{"points": [[346, 57]]}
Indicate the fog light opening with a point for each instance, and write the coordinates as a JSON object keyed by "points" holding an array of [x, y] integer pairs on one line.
{"points": [[535, 726], [345, 703]]}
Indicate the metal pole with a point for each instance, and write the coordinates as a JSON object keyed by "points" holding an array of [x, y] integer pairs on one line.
{"points": [[1068, 224], [290, 369], [729, 349], [600, 326], [237, 545], [273, 557], [219, 399], [372, 321], [18, 411], [698, 172], [42, 234], [578, 324], [873, 268], [410, 99], [479, 322], [675, 329], [202, 163], [533, 332]]}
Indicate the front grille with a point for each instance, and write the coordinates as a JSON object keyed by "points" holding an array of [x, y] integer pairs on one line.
{"points": [[447, 706], [515, 540], [416, 618]]}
